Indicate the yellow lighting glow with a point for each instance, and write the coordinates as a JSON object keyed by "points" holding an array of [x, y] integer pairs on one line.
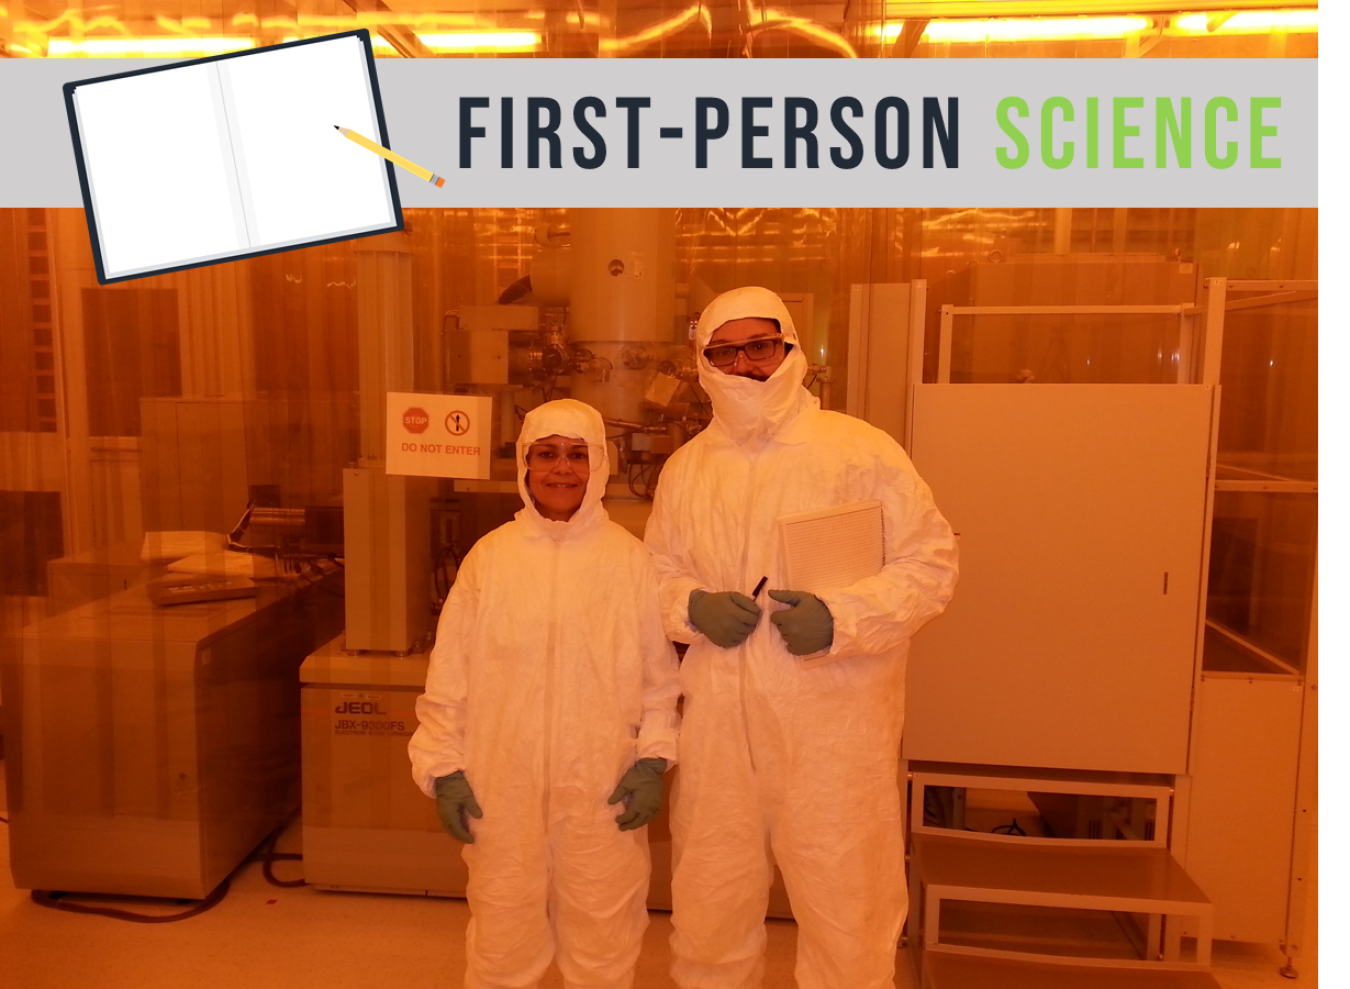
{"points": [[1251, 22], [500, 41], [158, 47], [659, 31], [1027, 29], [769, 19], [186, 26]]}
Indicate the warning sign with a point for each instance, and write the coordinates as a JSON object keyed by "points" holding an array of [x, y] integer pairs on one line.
{"points": [[438, 435]]}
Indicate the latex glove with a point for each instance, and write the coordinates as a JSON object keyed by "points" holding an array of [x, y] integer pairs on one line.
{"points": [[725, 617], [807, 626], [454, 799], [642, 786]]}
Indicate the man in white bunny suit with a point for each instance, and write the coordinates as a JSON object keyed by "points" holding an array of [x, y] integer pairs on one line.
{"points": [[778, 757]]}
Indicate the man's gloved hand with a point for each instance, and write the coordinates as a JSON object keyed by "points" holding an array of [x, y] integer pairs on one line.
{"points": [[642, 785], [807, 626], [454, 799], [725, 617]]}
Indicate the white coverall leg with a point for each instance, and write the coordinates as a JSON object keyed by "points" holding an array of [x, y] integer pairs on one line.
{"points": [[577, 893], [550, 678], [510, 937], [599, 902], [801, 758], [720, 861]]}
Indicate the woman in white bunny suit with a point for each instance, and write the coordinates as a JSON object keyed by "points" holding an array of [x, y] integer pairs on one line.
{"points": [[548, 719]]}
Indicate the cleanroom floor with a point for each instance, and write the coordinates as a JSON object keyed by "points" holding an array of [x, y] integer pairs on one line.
{"points": [[262, 936]]}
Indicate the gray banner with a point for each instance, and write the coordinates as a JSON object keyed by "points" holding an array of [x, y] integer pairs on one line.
{"points": [[1135, 101]]}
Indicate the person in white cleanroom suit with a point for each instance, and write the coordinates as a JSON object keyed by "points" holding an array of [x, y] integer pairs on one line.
{"points": [[548, 719], [776, 754]]}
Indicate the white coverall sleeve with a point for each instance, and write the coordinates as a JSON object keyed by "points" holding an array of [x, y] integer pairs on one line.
{"points": [[879, 613], [659, 734], [673, 568], [437, 747]]}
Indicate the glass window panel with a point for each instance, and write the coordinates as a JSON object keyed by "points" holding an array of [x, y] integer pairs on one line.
{"points": [[1065, 349], [1268, 419], [130, 352], [1260, 581]]}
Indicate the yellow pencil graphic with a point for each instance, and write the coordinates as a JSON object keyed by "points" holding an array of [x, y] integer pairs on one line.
{"points": [[397, 159]]}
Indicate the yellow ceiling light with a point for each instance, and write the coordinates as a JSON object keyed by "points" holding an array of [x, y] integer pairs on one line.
{"points": [[495, 41], [949, 32], [1250, 22], [152, 47]]}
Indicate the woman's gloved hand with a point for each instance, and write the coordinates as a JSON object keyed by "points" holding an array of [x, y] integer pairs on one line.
{"points": [[726, 617], [454, 799], [642, 786], [807, 626]]}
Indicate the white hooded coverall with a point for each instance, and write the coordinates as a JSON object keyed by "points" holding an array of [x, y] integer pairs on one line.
{"points": [[774, 755], [550, 677]]}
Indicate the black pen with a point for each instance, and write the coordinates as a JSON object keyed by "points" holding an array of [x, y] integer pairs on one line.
{"points": [[759, 587]]}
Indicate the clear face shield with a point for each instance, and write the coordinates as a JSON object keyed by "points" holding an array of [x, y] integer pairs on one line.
{"points": [[554, 454]]}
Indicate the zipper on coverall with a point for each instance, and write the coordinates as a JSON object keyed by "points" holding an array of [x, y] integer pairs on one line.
{"points": [[746, 581], [550, 665]]}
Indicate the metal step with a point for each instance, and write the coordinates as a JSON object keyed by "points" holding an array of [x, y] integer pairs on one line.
{"points": [[1132, 873], [948, 970]]}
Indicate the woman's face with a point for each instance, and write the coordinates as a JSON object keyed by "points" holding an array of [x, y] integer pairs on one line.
{"points": [[558, 470]]}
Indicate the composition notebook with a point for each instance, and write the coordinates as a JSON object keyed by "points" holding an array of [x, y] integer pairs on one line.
{"points": [[231, 156], [832, 547]]}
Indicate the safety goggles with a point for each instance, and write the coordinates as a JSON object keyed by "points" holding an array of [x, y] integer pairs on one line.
{"points": [[756, 351], [547, 456]]}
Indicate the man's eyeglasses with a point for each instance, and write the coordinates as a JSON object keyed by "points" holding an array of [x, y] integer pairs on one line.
{"points": [[755, 351], [546, 456]]}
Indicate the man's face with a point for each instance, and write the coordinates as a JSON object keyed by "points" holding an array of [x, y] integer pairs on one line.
{"points": [[559, 468], [739, 332]]}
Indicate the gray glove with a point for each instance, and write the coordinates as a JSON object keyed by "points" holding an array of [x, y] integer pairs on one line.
{"points": [[454, 799], [807, 626], [642, 786], [725, 617]]}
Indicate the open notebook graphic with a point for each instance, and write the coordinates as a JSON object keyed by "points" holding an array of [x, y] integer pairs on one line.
{"points": [[231, 156]]}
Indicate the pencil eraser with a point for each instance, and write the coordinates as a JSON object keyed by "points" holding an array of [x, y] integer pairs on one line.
{"points": [[440, 183]]}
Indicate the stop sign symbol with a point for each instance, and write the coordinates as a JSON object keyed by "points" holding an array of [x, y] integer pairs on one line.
{"points": [[415, 420]]}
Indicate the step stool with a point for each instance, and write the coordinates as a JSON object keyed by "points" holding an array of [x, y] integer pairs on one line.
{"points": [[1119, 876]]}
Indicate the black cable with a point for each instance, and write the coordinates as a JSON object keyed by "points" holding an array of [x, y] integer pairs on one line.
{"points": [[55, 900], [270, 856]]}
